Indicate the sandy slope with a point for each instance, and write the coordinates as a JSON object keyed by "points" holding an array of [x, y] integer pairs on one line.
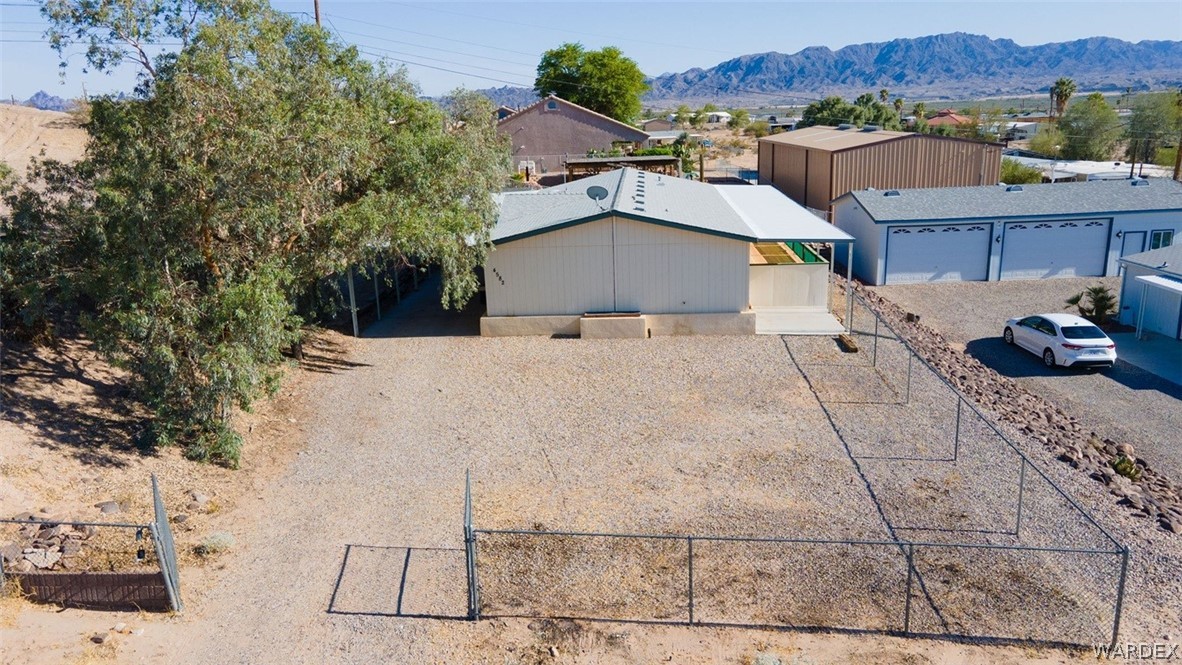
{"points": [[26, 132]]}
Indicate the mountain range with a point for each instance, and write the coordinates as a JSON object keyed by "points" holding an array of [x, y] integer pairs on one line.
{"points": [[946, 66]]}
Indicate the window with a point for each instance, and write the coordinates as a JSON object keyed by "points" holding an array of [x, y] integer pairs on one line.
{"points": [[1159, 239], [551, 105], [1083, 332]]}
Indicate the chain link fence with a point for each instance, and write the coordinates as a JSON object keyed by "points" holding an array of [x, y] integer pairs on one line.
{"points": [[979, 541]]}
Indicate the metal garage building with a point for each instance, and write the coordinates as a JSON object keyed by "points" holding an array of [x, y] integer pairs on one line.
{"points": [[815, 165], [634, 254], [1007, 232]]}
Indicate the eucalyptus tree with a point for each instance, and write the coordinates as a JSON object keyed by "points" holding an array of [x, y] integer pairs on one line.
{"points": [[260, 156]]}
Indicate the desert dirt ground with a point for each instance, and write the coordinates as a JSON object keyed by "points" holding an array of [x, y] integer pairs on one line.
{"points": [[357, 468], [27, 132]]}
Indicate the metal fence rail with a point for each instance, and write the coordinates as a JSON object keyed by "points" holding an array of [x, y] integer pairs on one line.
{"points": [[1034, 567]]}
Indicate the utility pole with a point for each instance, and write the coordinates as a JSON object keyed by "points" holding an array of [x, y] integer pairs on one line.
{"points": [[316, 10]]}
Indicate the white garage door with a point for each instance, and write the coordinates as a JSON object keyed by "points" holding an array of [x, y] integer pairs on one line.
{"points": [[1034, 250], [954, 252]]}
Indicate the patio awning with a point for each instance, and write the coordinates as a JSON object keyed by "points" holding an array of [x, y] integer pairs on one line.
{"points": [[1161, 282], [776, 218]]}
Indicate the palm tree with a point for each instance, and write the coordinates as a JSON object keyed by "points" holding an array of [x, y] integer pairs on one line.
{"points": [[883, 95], [1061, 91], [899, 106]]}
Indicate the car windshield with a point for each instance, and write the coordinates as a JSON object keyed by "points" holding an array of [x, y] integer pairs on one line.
{"points": [[1083, 332]]}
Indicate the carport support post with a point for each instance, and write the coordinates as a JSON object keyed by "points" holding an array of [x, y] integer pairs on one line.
{"points": [[1141, 309], [353, 303], [849, 287], [377, 293]]}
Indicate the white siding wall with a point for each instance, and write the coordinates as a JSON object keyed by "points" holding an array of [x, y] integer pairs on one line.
{"points": [[1162, 308], [1143, 221], [568, 271], [790, 285], [661, 270], [869, 248], [658, 270]]}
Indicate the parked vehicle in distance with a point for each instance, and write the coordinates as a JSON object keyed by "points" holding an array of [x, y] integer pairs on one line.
{"points": [[1062, 339]]}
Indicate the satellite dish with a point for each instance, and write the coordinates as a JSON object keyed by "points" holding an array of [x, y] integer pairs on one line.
{"points": [[597, 193]]}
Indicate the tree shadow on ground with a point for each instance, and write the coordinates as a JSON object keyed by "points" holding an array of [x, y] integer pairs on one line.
{"points": [[85, 413]]}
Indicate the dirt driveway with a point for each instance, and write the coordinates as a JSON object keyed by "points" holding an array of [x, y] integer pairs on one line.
{"points": [[1125, 403]]}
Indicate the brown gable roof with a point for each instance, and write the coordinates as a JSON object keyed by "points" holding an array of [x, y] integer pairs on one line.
{"points": [[624, 127]]}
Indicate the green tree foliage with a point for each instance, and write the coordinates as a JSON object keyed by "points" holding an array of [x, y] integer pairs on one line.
{"points": [[1049, 141], [682, 115], [884, 95], [758, 129], [709, 108], [1091, 129], [1154, 124], [919, 110], [1014, 172], [1061, 91], [740, 118], [260, 158], [865, 110], [697, 119], [604, 81]]}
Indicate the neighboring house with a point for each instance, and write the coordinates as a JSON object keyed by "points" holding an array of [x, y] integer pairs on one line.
{"points": [[998, 232], [1079, 170], [718, 117], [546, 133], [1021, 131], [665, 136], [1151, 290], [815, 165], [948, 117], [658, 125], [503, 112], [635, 254]]}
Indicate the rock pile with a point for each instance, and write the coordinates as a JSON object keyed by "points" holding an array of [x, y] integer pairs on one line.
{"points": [[43, 544], [1143, 489]]}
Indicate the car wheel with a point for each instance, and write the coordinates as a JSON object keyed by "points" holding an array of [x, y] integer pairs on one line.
{"points": [[1008, 336], [1048, 358]]}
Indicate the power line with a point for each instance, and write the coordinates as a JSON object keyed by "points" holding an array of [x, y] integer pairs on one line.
{"points": [[424, 34], [573, 32], [434, 48]]}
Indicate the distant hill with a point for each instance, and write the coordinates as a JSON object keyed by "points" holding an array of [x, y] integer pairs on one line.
{"points": [[47, 102], [948, 65], [510, 96]]}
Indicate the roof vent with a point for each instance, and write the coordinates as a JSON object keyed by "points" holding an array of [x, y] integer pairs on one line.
{"points": [[844, 126], [892, 192], [870, 128], [1014, 188], [1140, 182]]}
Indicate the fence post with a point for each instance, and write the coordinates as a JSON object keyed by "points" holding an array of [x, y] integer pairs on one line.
{"points": [[470, 549], [956, 439], [1021, 491], [907, 604], [910, 357], [690, 558], [874, 351], [1120, 595]]}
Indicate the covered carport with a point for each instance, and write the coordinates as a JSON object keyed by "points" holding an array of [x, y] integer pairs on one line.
{"points": [[790, 281]]}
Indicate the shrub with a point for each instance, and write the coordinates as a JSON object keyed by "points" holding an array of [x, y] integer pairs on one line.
{"points": [[1095, 303]]}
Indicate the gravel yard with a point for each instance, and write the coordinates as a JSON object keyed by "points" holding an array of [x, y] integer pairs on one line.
{"points": [[687, 435], [1125, 402]]}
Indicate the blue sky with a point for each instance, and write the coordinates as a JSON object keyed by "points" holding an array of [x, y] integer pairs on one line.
{"points": [[502, 41]]}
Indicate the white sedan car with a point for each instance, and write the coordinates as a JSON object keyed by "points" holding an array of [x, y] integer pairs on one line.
{"points": [[1062, 339]]}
